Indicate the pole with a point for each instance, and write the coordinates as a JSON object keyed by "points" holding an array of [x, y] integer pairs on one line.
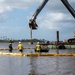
{"points": [[31, 35], [57, 40]]}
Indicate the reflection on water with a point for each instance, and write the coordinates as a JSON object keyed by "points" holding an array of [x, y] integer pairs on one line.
{"points": [[52, 66], [18, 65], [33, 61], [14, 65]]}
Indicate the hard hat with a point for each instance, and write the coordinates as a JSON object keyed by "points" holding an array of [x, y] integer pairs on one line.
{"points": [[19, 42], [10, 43], [37, 42]]}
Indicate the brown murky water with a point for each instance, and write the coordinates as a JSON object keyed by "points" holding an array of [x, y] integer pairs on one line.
{"points": [[18, 65]]}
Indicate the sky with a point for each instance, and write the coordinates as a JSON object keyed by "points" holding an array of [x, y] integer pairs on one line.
{"points": [[15, 16]]}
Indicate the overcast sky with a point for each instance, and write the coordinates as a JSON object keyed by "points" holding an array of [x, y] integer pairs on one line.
{"points": [[15, 15]]}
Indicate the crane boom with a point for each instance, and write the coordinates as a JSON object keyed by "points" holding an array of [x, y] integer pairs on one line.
{"points": [[32, 21], [69, 7], [39, 9]]}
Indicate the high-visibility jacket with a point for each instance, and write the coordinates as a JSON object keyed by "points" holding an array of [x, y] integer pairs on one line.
{"points": [[38, 47], [20, 47]]}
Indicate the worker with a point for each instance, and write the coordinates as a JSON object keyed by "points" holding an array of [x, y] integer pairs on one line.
{"points": [[10, 47], [10, 40], [20, 47], [38, 47]]}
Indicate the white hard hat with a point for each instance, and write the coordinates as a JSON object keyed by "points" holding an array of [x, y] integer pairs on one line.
{"points": [[37, 42], [19, 42]]}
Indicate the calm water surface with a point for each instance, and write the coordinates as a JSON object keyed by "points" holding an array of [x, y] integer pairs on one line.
{"points": [[19, 65]]}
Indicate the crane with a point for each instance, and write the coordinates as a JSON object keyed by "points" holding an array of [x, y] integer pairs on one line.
{"points": [[32, 21], [69, 7]]}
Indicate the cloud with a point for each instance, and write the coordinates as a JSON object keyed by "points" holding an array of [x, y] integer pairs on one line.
{"points": [[55, 21], [52, 5], [8, 6], [53, 17], [14, 32]]}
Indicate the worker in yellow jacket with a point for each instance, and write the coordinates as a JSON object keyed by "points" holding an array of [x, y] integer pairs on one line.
{"points": [[38, 47], [20, 47]]}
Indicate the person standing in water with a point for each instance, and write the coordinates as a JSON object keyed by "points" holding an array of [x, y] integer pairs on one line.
{"points": [[20, 47], [10, 47], [38, 47]]}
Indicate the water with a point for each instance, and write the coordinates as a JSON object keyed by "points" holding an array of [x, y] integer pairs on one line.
{"points": [[19, 65]]}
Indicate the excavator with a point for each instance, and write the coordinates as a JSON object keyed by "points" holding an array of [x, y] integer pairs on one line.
{"points": [[32, 22]]}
